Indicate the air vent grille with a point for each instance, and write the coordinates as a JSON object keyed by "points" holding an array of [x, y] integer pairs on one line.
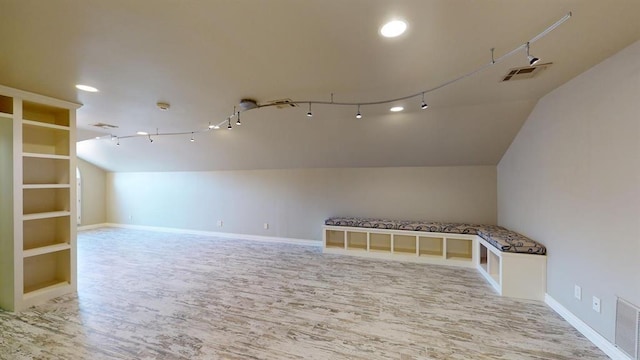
{"points": [[628, 328], [526, 72], [105, 126]]}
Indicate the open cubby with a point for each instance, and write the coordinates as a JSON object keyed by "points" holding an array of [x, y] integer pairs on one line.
{"points": [[6, 105], [404, 244], [45, 200], [379, 242], [494, 266], [43, 140], [335, 238], [483, 258], [45, 171], [459, 249], [45, 114], [356, 240], [46, 270], [45, 232], [430, 246]]}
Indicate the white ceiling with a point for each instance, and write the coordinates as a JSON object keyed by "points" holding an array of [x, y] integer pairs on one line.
{"points": [[204, 56]]}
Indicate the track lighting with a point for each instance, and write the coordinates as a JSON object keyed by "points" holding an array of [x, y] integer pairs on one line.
{"points": [[250, 104], [532, 59], [424, 104], [192, 138]]}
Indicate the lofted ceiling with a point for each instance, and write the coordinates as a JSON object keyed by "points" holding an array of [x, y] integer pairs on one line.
{"points": [[204, 56]]}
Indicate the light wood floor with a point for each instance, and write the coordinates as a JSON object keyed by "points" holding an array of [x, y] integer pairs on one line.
{"points": [[148, 295]]}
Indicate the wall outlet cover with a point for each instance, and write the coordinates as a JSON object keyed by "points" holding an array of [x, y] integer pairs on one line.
{"points": [[577, 292], [596, 304]]}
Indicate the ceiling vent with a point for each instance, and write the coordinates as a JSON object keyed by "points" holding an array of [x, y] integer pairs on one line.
{"points": [[525, 72], [281, 104], [105, 126]]}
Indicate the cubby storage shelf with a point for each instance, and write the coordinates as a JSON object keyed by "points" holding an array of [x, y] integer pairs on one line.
{"points": [[45, 125], [413, 246], [45, 250], [45, 215], [45, 288], [45, 156], [46, 186], [517, 275]]}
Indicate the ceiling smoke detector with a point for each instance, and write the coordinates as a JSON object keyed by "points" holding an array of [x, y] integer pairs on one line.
{"points": [[163, 106]]}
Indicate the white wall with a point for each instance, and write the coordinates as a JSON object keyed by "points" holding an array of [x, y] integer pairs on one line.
{"points": [[93, 193], [296, 202], [571, 180]]}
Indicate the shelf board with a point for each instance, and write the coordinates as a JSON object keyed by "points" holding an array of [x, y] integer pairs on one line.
{"points": [[6, 115], [43, 288], [45, 250], [45, 215], [46, 156], [45, 125], [46, 186]]}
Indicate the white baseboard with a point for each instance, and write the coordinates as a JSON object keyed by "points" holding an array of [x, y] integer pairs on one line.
{"points": [[598, 340], [92, 226], [219, 234]]}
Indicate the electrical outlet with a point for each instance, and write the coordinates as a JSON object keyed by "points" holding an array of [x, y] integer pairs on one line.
{"points": [[596, 304], [266, 226], [219, 223], [577, 292]]}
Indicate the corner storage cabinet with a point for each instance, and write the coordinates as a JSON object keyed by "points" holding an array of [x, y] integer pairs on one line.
{"points": [[37, 221]]}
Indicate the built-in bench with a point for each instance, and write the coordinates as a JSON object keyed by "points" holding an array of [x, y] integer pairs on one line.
{"points": [[512, 263]]}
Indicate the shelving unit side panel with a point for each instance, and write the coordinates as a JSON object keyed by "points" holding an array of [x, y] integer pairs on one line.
{"points": [[18, 274], [6, 209], [524, 276]]}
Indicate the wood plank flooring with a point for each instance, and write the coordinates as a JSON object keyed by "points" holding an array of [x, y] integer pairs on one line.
{"points": [[150, 295]]}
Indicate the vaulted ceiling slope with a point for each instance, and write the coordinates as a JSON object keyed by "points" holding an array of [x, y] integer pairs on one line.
{"points": [[204, 56]]}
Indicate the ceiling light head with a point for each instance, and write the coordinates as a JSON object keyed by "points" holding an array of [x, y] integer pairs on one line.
{"points": [[532, 59], [216, 127], [211, 126], [396, 109], [358, 115], [393, 28], [309, 114], [86, 88], [423, 105], [192, 138], [142, 133]]}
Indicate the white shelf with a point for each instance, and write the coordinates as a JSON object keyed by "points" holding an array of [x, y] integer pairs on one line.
{"points": [[45, 250], [45, 156], [45, 215], [6, 115], [46, 186], [44, 125], [44, 288]]}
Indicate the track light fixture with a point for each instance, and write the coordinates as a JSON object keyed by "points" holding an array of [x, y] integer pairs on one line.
{"points": [[424, 104], [192, 138], [250, 104], [532, 59], [118, 143]]}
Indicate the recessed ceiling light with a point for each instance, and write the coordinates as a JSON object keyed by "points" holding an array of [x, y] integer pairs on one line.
{"points": [[142, 133], [393, 28], [86, 88], [396, 108]]}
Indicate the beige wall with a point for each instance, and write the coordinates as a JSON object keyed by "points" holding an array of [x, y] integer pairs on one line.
{"points": [[93, 193], [296, 202], [571, 180]]}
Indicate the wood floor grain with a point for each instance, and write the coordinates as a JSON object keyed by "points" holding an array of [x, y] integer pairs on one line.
{"points": [[150, 295]]}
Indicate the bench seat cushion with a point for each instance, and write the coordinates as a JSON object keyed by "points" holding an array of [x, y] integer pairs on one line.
{"points": [[501, 238]]}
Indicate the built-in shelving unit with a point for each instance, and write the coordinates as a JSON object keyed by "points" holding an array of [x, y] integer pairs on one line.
{"points": [[39, 253], [439, 248]]}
